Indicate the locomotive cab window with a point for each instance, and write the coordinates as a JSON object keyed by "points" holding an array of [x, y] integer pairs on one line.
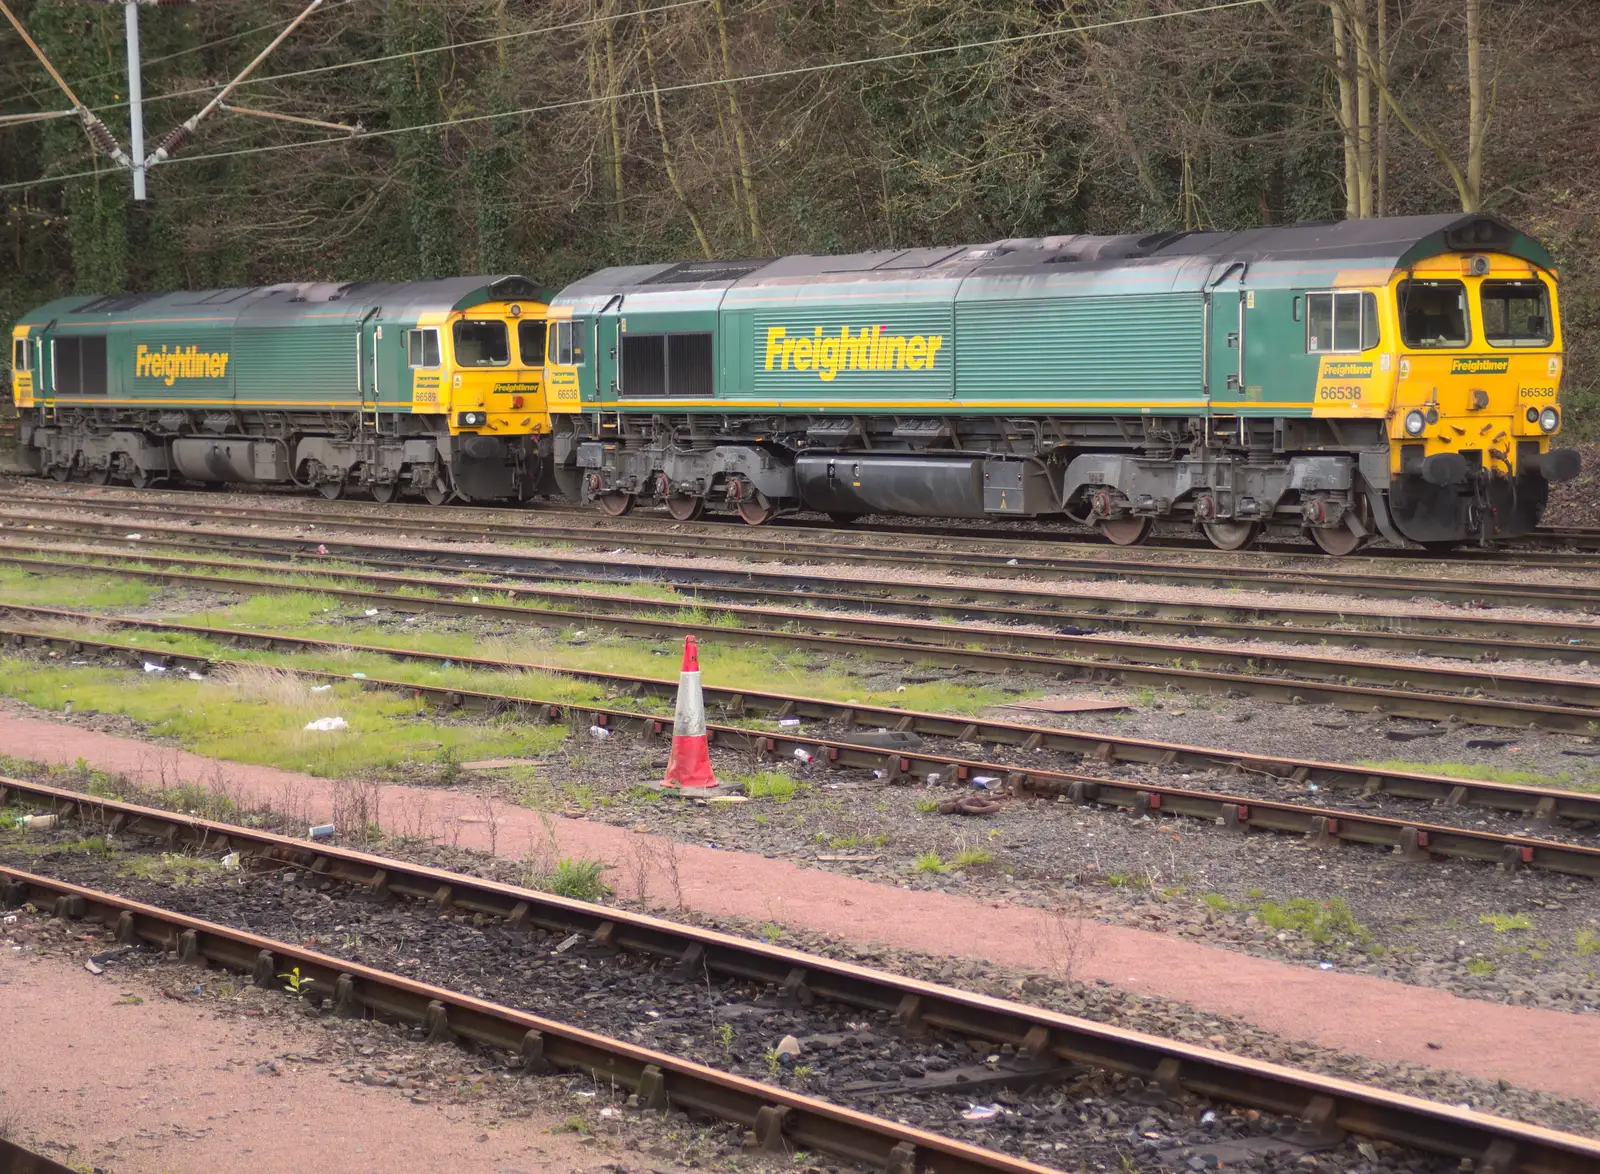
{"points": [[1516, 313], [482, 344], [80, 365], [422, 348], [20, 359], [566, 342], [530, 343], [1433, 314], [1338, 322]]}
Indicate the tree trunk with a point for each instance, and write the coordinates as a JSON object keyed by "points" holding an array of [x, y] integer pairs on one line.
{"points": [[1347, 111], [613, 111], [1363, 69], [746, 181], [666, 146], [1477, 117], [1381, 205]]}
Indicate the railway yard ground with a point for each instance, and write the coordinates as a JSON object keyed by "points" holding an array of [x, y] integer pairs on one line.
{"points": [[1337, 817]]}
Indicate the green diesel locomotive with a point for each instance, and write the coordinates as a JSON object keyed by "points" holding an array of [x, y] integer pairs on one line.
{"points": [[1397, 376]]}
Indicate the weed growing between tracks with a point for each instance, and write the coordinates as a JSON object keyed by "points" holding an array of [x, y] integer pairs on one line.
{"points": [[258, 716], [1588, 780]]}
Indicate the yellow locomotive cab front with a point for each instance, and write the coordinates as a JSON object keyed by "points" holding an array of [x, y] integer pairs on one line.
{"points": [[1476, 395]]}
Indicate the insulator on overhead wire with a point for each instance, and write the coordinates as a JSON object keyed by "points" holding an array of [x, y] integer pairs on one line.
{"points": [[100, 134], [173, 141]]}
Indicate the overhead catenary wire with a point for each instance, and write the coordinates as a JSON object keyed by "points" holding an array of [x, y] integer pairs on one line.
{"points": [[681, 87], [412, 53], [173, 56]]}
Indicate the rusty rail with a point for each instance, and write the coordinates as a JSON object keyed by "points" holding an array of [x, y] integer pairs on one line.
{"points": [[1318, 680], [831, 547], [1497, 1145], [1326, 826], [1456, 636], [778, 1118]]}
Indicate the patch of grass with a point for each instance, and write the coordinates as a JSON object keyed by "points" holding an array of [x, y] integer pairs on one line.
{"points": [[771, 784], [1480, 967], [581, 880], [85, 591], [258, 715], [169, 868], [770, 931], [1324, 922], [1564, 780], [931, 862], [839, 843], [1505, 922], [1587, 941], [972, 858], [1217, 902], [926, 806]]}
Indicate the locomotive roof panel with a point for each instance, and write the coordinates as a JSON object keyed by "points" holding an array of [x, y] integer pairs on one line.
{"points": [[1173, 260], [284, 303]]}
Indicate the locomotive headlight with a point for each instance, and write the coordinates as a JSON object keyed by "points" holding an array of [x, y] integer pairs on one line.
{"points": [[1549, 420], [1415, 423], [1533, 415], [472, 419]]}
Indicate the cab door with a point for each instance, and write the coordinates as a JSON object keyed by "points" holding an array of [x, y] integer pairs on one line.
{"points": [[609, 326], [1227, 303]]}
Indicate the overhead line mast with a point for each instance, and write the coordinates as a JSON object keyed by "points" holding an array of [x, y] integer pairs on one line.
{"points": [[136, 161]]}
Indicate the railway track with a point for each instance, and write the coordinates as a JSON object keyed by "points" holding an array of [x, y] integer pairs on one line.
{"points": [[778, 1118], [1466, 637], [1018, 560], [1418, 840], [1408, 689], [1041, 1041], [1575, 542]]}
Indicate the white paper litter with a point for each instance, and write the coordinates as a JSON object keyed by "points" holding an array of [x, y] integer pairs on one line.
{"points": [[153, 668], [320, 688], [326, 725], [372, 611], [230, 862], [194, 676]]}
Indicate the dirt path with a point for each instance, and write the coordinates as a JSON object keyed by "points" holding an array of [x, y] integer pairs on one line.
{"points": [[156, 1087], [1383, 1020]]}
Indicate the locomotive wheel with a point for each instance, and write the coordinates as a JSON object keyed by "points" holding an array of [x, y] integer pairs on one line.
{"points": [[684, 508], [614, 505], [98, 476], [1126, 531], [436, 494], [331, 490], [139, 479], [60, 472], [1232, 535], [385, 493], [1336, 540], [756, 510]]}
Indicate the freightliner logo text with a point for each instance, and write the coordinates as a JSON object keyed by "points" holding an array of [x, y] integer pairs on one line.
{"points": [[183, 363], [866, 348]]}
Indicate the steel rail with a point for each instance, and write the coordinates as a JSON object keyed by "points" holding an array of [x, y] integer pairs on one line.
{"points": [[1575, 547], [1440, 691], [965, 562], [1545, 804], [1324, 826], [1437, 635], [1498, 1145], [16, 1160], [778, 1118]]}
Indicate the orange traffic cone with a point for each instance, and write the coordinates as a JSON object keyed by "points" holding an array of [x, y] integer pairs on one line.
{"points": [[689, 768]]}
